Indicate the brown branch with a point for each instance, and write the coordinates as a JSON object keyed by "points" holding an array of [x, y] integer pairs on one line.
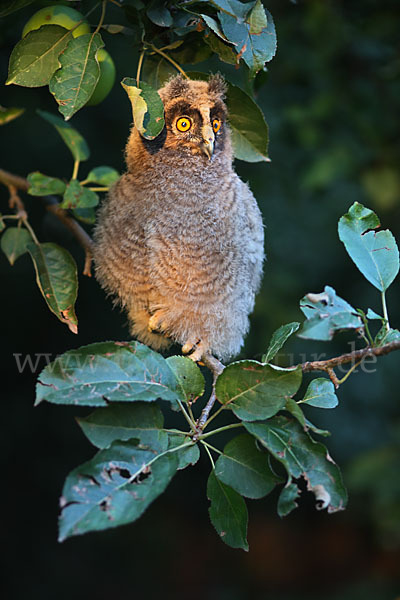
{"points": [[351, 357], [14, 182], [216, 367]]}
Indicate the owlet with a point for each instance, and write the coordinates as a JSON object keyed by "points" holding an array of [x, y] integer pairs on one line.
{"points": [[179, 240]]}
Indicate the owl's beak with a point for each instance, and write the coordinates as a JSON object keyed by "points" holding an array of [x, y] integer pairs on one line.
{"points": [[207, 144]]}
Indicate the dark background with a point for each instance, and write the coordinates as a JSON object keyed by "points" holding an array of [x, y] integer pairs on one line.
{"points": [[332, 98]]}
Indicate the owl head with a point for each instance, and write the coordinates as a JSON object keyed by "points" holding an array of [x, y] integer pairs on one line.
{"points": [[195, 115], [195, 127]]}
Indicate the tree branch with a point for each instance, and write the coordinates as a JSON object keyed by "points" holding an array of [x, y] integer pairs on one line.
{"points": [[216, 367], [16, 182], [351, 357]]}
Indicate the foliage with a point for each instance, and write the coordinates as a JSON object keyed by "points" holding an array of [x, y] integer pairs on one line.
{"points": [[137, 456]]}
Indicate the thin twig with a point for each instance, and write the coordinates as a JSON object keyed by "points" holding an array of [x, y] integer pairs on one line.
{"points": [[169, 59], [216, 368], [84, 239]]}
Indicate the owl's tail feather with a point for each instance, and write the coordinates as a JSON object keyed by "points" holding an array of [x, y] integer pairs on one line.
{"points": [[139, 326]]}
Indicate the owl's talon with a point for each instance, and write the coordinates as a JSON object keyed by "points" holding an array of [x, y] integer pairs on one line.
{"points": [[194, 350], [156, 324]]}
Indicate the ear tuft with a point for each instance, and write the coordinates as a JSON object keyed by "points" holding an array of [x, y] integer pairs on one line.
{"points": [[177, 86], [217, 85]]}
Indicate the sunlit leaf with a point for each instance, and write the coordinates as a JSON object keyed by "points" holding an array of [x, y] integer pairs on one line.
{"points": [[14, 242], [245, 468], [36, 57], [73, 84], [56, 276], [147, 108], [108, 372], [72, 138], [224, 50], [43, 185], [141, 421], [320, 393], [189, 376], [104, 176], [256, 391], [228, 513], [375, 253], [114, 488]]}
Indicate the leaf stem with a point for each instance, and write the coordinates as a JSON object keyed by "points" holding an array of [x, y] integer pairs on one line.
{"points": [[385, 311], [349, 372], [161, 53], [99, 189], [217, 412], [29, 228], [139, 67], [188, 419], [209, 455], [100, 23], [206, 444], [76, 169], [220, 429]]}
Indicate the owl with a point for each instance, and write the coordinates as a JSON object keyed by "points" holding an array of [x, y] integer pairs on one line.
{"points": [[179, 240]]}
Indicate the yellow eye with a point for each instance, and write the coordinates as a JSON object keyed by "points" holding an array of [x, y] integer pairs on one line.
{"points": [[216, 125], [183, 124]]}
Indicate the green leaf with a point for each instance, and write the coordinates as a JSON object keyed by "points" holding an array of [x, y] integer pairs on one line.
{"points": [[147, 108], [228, 513], [287, 499], [36, 57], [9, 114], [14, 243], [114, 488], [326, 314], [77, 196], [320, 393], [159, 14], [104, 176], [302, 457], [123, 422], [10, 6], [385, 336], [375, 253], [278, 339], [73, 84], [157, 71], [248, 126], [2, 224], [372, 315], [186, 456], [108, 372], [214, 26], [245, 468], [223, 49], [86, 215], [71, 137], [255, 391], [57, 278], [189, 376], [42, 185], [293, 407], [254, 39]]}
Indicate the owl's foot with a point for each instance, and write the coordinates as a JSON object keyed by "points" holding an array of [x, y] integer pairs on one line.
{"points": [[194, 349], [156, 323]]}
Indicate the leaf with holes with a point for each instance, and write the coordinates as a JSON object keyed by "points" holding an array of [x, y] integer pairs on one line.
{"points": [[43, 185], [73, 84], [36, 57], [105, 372], [327, 314], [57, 278], [278, 339], [77, 196], [245, 468], [123, 422], [375, 253], [301, 456], [228, 513], [287, 499], [320, 393], [189, 376], [255, 391], [114, 488], [71, 137], [147, 108], [14, 243]]}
